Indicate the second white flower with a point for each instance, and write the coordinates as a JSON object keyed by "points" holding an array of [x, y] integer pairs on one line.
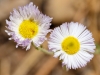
{"points": [[73, 44]]}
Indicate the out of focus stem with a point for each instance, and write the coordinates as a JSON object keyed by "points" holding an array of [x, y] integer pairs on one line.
{"points": [[45, 51]]}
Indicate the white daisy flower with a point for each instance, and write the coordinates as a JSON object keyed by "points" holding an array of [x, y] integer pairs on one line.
{"points": [[28, 24], [73, 44]]}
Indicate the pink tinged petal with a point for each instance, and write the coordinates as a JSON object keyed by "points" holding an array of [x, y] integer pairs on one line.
{"points": [[28, 12]]}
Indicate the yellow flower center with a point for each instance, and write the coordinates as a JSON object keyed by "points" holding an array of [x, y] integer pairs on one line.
{"points": [[70, 45], [28, 29]]}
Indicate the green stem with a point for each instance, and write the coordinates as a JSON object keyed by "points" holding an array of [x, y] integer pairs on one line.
{"points": [[45, 51]]}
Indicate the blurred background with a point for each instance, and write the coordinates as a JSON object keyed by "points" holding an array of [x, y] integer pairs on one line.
{"points": [[32, 62]]}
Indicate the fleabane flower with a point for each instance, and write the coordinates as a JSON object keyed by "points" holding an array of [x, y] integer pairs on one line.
{"points": [[28, 25], [73, 44]]}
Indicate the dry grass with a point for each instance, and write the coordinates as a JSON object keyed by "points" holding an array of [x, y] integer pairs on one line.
{"points": [[20, 62]]}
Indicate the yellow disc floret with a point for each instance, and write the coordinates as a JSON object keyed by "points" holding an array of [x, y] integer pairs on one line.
{"points": [[28, 29], [70, 45]]}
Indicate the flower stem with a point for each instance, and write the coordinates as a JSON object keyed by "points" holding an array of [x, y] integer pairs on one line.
{"points": [[45, 51]]}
